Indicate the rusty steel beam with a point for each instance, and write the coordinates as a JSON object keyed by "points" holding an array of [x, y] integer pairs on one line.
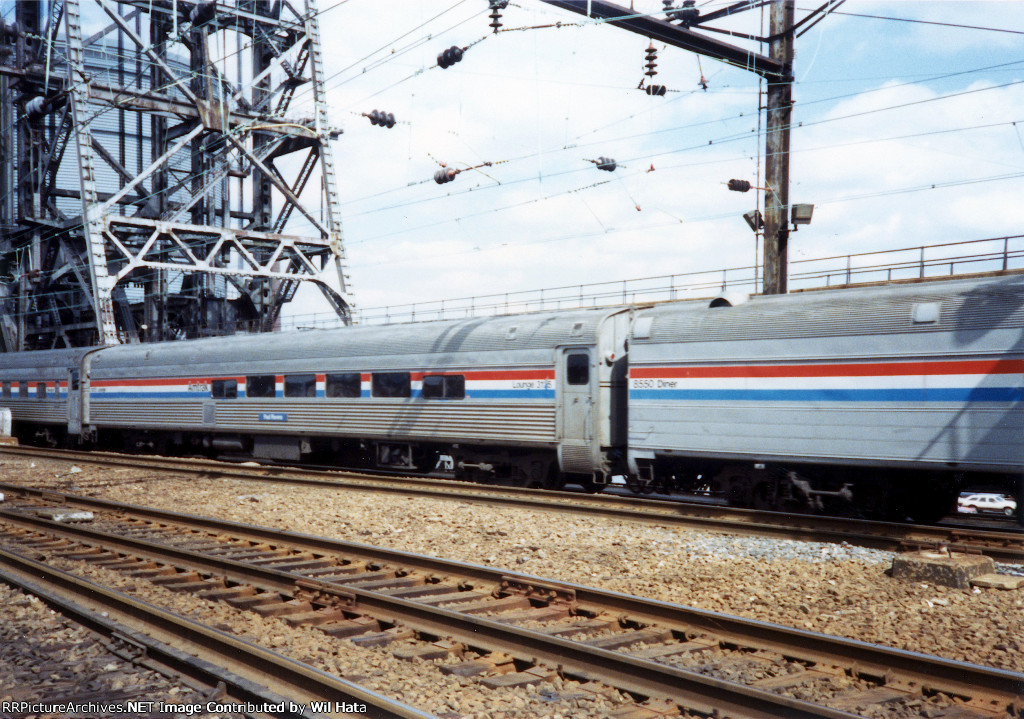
{"points": [[163, 640], [675, 35], [779, 106]]}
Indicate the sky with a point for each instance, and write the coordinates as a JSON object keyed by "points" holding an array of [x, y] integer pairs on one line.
{"points": [[905, 134], [908, 131]]}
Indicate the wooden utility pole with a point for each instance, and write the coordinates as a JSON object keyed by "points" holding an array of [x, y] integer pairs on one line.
{"points": [[779, 107], [776, 68]]}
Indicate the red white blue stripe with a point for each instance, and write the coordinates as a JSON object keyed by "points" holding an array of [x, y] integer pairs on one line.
{"points": [[513, 384], [983, 380]]}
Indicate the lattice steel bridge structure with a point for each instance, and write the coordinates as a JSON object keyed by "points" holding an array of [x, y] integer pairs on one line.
{"points": [[165, 170]]}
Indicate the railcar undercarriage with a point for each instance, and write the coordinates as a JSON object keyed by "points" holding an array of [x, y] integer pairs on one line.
{"points": [[869, 492], [489, 465]]}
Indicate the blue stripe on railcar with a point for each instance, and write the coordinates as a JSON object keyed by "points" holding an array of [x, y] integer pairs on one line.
{"points": [[938, 394]]}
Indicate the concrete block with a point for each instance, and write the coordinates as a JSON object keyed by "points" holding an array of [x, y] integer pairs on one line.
{"points": [[64, 514], [942, 567], [998, 581]]}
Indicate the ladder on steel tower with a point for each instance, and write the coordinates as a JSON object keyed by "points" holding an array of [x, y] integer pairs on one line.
{"points": [[326, 157], [92, 223]]}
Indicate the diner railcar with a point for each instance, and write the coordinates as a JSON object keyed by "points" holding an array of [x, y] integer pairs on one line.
{"points": [[885, 397]]}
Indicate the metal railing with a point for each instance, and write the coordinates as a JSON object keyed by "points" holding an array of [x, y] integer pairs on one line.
{"points": [[937, 260]]}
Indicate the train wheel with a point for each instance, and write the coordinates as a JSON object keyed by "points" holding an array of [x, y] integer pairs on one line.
{"points": [[636, 485], [930, 508], [761, 497], [555, 479], [425, 460], [589, 485]]}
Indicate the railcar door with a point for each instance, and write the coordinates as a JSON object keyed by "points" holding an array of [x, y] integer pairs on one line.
{"points": [[74, 402], [574, 424]]}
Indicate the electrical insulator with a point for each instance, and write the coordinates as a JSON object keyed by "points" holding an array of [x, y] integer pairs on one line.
{"points": [[35, 108], [738, 185], [449, 57], [606, 163], [445, 175], [652, 61], [656, 90], [496, 7], [688, 14], [378, 117]]}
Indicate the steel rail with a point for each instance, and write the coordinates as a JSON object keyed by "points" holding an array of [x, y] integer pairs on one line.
{"points": [[646, 677], [693, 690], [1000, 545], [252, 673]]}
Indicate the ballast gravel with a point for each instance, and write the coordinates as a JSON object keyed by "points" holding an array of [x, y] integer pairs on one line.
{"points": [[45, 658], [835, 589]]}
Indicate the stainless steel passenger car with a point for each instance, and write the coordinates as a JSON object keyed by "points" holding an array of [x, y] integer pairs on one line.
{"points": [[884, 396], [527, 398], [42, 390]]}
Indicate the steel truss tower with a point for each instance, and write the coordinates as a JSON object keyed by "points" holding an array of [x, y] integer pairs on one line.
{"points": [[158, 170]]}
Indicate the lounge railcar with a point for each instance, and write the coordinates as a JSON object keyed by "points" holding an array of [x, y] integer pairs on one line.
{"points": [[527, 398]]}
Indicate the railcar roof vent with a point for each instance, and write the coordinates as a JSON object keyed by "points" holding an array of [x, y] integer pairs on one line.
{"points": [[729, 299], [510, 333], [926, 313], [642, 328], [577, 329]]}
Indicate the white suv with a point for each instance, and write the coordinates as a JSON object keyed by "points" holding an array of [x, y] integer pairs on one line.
{"points": [[987, 503]]}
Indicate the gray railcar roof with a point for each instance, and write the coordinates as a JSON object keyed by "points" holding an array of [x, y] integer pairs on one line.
{"points": [[967, 307], [484, 334], [43, 359]]}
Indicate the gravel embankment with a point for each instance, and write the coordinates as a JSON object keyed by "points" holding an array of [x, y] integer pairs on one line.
{"points": [[835, 589], [47, 659]]}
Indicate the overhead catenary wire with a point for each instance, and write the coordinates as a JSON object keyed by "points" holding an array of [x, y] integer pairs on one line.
{"points": [[696, 219], [719, 141], [734, 137], [640, 172]]}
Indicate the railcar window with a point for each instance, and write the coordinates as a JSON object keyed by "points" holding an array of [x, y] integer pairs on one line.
{"points": [[437, 386], [300, 385], [75, 380], [224, 388], [259, 386], [23, 390], [40, 390], [433, 386], [6, 390], [391, 384], [455, 386], [577, 368], [346, 384]]}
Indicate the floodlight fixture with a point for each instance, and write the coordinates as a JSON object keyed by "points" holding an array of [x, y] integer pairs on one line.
{"points": [[754, 219], [801, 214]]}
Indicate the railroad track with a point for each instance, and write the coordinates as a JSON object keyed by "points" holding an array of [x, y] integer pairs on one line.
{"points": [[238, 677], [1001, 545], [511, 629]]}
